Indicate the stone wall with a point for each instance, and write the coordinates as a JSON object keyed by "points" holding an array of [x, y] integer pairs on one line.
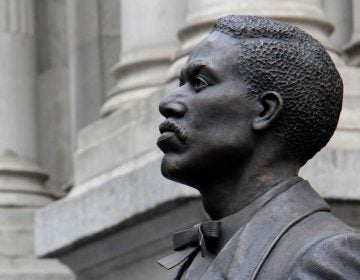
{"points": [[80, 86]]}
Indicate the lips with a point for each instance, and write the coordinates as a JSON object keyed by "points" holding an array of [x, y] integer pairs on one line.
{"points": [[169, 128]]}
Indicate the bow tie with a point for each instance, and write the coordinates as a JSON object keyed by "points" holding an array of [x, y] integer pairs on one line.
{"points": [[186, 243]]}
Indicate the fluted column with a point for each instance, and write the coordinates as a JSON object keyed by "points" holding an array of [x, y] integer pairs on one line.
{"points": [[201, 15], [340, 14], [144, 55], [352, 50], [21, 178]]}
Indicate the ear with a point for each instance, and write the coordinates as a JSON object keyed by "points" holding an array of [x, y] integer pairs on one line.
{"points": [[272, 104]]}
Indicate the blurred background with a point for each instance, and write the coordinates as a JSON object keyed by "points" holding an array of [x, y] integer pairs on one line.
{"points": [[81, 194]]}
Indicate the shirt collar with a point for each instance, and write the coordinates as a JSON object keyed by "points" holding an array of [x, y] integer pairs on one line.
{"points": [[231, 224]]}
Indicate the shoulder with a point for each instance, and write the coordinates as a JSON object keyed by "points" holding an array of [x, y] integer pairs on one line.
{"points": [[319, 242], [335, 257]]}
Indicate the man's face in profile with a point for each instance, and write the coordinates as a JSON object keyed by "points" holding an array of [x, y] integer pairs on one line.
{"points": [[208, 131]]}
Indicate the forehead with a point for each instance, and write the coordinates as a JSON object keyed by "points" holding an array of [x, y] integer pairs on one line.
{"points": [[217, 50]]}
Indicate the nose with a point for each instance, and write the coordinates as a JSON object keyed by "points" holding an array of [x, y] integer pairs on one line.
{"points": [[171, 106]]}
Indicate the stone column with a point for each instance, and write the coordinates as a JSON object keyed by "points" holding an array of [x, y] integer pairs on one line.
{"points": [[21, 178], [340, 14], [201, 15], [117, 160], [352, 50], [130, 116], [145, 55]]}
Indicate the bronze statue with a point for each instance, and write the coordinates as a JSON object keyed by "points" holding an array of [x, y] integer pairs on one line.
{"points": [[257, 99]]}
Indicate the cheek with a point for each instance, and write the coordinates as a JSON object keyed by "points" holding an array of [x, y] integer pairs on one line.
{"points": [[223, 125], [211, 113], [222, 117], [225, 137], [226, 105]]}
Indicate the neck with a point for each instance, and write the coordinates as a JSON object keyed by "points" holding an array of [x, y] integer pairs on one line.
{"points": [[240, 187]]}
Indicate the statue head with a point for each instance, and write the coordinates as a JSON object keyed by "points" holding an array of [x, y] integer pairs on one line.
{"points": [[251, 83], [275, 56]]}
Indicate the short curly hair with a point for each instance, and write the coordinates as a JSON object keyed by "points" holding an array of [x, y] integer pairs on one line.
{"points": [[275, 56]]}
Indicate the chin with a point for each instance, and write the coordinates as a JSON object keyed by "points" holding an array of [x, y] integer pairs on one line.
{"points": [[173, 171], [169, 169]]}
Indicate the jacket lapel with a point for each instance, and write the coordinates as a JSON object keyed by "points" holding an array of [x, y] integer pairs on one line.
{"points": [[243, 256]]}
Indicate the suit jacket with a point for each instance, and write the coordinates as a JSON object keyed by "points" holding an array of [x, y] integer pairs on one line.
{"points": [[294, 236]]}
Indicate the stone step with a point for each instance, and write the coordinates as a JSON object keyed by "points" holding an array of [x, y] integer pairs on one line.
{"points": [[33, 269]]}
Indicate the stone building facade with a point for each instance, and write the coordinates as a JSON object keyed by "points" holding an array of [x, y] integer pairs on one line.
{"points": [[80, 85]]}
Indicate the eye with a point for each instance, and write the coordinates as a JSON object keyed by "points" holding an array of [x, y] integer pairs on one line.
{"points": [[181, 82], [199, 83]]}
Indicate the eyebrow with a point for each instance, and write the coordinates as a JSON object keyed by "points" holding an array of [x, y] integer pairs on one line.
{"points": [[195, 68]]}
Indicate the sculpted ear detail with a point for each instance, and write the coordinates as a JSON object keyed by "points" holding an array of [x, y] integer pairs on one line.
{"points": [[272, 104]]}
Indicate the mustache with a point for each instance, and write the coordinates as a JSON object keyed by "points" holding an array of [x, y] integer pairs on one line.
{"points": [[172, 126]]}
